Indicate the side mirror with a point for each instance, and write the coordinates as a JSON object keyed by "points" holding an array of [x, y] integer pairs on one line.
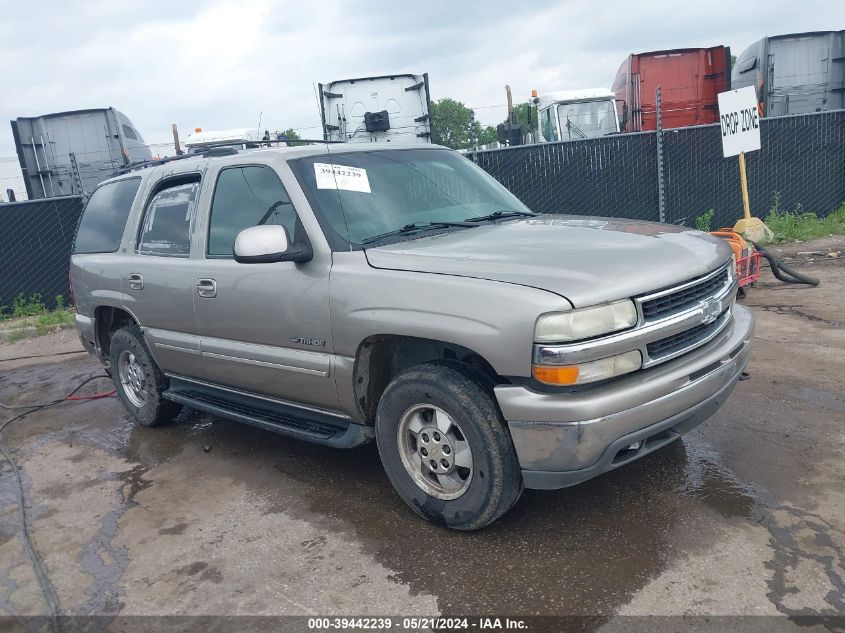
{"points": [[268, 243]]}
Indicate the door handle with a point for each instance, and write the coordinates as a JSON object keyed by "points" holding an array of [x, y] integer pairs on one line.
{"points": [[206, 288], [136, 281]]}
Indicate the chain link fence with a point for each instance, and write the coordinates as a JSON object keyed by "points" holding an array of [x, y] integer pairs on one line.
{"points": [[800, 168], [801, 165], [35, 241]]}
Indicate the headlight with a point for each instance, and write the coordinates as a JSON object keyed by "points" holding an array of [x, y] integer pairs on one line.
{"points": [[588, 372], [558, 327]]}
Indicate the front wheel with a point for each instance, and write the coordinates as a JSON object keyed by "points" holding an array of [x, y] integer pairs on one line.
{"points": [[445, 447]]}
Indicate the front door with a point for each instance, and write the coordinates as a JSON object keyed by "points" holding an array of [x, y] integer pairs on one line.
{"points": [[264, 328]]}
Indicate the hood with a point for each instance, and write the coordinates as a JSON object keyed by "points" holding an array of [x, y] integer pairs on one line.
{"points": [[587, 260]]}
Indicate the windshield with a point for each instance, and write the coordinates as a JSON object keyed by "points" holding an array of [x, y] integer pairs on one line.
{"points": [[587, 119], [362, 195]]}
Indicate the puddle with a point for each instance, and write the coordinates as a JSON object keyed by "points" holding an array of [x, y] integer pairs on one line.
{"points": [[711, 483]]}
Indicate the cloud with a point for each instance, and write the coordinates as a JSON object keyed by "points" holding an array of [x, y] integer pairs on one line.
{"points": [[224, 63]]}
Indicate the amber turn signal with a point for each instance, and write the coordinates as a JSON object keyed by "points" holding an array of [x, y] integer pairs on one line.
{"points": [[556, 375]]}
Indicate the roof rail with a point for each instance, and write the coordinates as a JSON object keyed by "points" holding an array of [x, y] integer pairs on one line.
{"points": [[217, 148]]}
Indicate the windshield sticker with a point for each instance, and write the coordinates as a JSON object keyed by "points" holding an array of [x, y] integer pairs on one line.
{"points": [[341, 177]]}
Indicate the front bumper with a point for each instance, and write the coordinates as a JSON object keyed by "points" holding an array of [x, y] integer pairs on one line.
{"points": [[562, 439]]}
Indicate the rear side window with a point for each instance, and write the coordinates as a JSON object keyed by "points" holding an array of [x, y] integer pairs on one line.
{"points": [[244, 197], [168, 220], [104, 218]]}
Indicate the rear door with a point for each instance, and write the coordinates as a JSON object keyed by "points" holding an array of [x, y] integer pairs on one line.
{"points": [[159, 273], [265, 328]]}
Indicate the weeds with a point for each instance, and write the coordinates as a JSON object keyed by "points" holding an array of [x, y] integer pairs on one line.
{"points": [[29, 316], [704, 221], [23, 307], [803, 226]]}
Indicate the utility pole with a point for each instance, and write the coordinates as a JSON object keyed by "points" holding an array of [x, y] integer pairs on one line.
{"points": [[176, 141]]}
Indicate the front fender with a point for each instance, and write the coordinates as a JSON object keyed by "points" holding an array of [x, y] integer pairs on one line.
{"points": [[494, 319]]}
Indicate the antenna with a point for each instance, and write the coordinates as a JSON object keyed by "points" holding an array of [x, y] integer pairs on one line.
{"points": [[318, 88], [317, 97]]}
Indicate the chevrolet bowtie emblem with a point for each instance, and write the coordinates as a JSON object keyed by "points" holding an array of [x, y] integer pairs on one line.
{"points": [[710, 311]]}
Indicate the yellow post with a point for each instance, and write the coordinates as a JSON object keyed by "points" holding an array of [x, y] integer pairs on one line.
{"points": [[746, 205], [751, 228]]}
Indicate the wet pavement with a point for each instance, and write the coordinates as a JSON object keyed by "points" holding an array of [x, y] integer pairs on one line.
{"points": [[743, 516]]}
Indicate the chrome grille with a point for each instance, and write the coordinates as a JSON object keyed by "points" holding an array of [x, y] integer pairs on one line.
{"points": [[685, 339], [673, 322], [683, 297]]}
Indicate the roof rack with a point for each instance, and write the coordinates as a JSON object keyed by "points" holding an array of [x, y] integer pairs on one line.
{"points": [[148, 163], [265, 142], [218, 148]]}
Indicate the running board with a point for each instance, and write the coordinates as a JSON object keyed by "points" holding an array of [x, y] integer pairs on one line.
{"points": [[270, 415]]}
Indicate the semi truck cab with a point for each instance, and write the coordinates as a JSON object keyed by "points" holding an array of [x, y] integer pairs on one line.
{"points": [[570, 115]]}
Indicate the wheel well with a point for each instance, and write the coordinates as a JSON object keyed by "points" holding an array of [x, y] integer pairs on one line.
{"points": [[380, 358], [109, 320]]}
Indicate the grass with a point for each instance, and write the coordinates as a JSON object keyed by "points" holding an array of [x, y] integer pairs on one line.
{"points": [[798, 225], [29, 316]]}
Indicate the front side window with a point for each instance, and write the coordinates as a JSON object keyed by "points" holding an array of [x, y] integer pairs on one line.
{"points": [[168, 220], [247, 196], [104, 218], [548, 123], [361, 195], [749, 63]]}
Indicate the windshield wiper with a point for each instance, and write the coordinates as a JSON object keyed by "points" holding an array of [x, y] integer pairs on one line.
{"points": [[413, 228], [499, 214]]}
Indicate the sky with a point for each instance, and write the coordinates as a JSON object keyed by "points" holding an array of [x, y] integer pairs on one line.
{"points": [[222, 64]]}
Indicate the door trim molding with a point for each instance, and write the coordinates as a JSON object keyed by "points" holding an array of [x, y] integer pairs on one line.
{"points": [[264, 363]]}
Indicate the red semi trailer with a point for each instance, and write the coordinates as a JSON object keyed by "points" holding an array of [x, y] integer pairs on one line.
{"points": [[689, 80]]}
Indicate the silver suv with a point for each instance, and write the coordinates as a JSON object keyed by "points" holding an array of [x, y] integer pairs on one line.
{"points": [[342, 294]]}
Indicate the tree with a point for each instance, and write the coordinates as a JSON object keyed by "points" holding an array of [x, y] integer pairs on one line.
{"points": [[526, 116], [453, 123], [292, 135], [486, 135]]}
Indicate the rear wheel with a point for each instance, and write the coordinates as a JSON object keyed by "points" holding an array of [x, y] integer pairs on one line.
{"points": [[445, 447], [138, 380]]}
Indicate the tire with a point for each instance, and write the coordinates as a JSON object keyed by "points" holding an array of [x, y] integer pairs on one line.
{"points": [[133, 365], [408, 417]]}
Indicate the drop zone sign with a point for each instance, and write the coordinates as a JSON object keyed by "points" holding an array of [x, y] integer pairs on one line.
{"points": [[739, 120]]}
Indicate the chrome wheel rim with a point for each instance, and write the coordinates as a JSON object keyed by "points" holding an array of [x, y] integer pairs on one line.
{"points": [[133, 381], [435, 451]]}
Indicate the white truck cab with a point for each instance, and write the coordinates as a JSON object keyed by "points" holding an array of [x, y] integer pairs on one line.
{"points": [[569, 115], [389, 108], [201, 139]]}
